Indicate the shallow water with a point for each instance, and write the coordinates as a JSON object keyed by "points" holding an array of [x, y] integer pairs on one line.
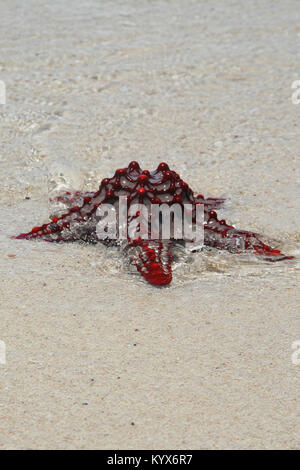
{"points": [[63, 175]]}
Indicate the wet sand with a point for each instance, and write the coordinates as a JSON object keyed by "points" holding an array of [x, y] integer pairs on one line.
{"points": [[96, 358]]}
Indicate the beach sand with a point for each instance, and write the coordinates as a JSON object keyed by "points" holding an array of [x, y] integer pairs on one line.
{"points": [[95, 357]]}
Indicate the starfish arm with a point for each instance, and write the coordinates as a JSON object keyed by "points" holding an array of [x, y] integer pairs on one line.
{"points": [[218, 234], [76, 224], [70, 199], [152, 260], [210, 202]]}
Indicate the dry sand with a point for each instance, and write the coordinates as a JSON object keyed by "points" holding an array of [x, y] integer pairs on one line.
{"points": [[92, 349]]}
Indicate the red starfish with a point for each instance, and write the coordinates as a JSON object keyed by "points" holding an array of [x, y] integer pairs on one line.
{"points": [[152, 258]]}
